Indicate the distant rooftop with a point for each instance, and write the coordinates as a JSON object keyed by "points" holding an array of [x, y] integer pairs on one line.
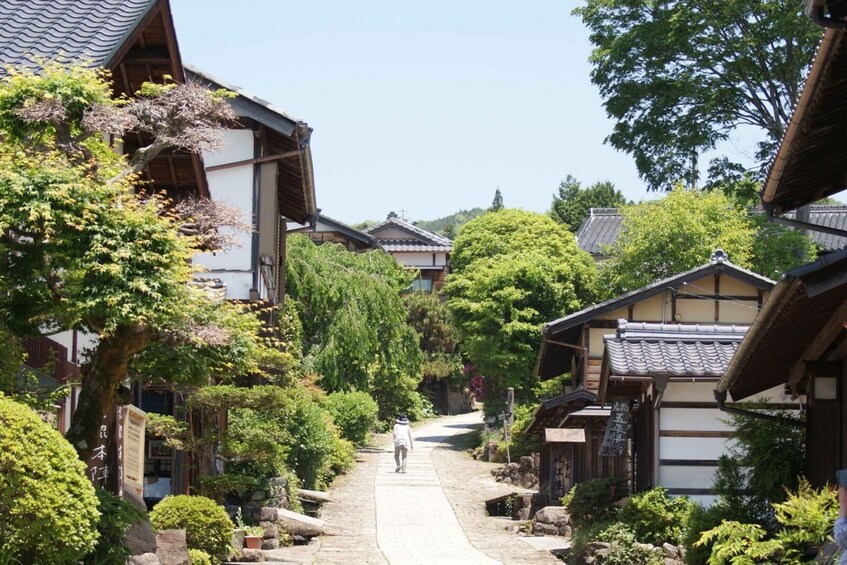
{"points": [[418, 240], [603, 226]]}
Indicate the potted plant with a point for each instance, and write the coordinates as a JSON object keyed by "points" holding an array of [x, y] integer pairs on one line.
{"points": [[253, 537]]}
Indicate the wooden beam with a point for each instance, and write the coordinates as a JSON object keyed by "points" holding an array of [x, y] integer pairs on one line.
{"points": [[275, 157], [695, 433], [147, 57], [818, 347]]}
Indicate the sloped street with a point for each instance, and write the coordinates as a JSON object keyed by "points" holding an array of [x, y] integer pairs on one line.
{"points": [[434, 513]]}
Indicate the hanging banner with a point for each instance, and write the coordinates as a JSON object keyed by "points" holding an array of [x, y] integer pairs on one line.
{"points": [[617, 430]]}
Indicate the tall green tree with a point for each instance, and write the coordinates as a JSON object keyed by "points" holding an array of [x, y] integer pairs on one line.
{"points": [[497, 203], [431, 319], [355, 333], [81, 249], [678, 76], [662, 238], [572, 203], [512, 271]]}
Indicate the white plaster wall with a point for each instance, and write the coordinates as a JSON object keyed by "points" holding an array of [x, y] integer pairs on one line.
{"points": [[440, 259], [83, 341], [414, 259], [678, 476], [690, 392], [693, 447], [705, 500], [234, 187], [703, 419]]}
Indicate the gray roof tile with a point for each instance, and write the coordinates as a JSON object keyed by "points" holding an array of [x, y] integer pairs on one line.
{"points": [[74, 29], [603, 226], [418, 240], [681, 350]]}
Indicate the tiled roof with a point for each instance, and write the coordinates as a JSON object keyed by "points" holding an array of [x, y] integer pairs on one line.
{"points": [[682, 350], [76, 29], [418, 240], [603, 226]]}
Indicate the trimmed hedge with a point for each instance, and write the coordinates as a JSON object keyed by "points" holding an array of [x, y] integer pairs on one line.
{"points": [[48, 507], [206, 524], [354, 413]]}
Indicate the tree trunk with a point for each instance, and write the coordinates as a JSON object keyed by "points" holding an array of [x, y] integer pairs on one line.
{"points": [[100, 379]]}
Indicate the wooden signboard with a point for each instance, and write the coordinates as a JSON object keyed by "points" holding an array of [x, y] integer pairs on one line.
{"points": [[617, 430], [564, 435], [134, 423], [118, 446]]}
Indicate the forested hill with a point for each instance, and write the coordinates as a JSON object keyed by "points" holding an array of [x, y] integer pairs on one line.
{"points": [[457, 220]]}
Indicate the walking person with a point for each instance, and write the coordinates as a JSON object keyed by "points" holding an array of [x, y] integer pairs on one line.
{"points": [[402, 442]]}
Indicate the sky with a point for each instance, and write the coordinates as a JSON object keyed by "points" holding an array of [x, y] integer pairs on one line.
{"points": [[423, 108]]}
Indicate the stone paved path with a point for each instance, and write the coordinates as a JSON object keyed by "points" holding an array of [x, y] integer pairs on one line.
{"points": [[434, 514]]}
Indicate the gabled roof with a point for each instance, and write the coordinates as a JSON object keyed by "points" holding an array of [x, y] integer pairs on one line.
{"points": [[603, 226], [554, 359], [804, 302], [680, 350], [135, 39], [600, 229], [549, 412], [417, 240], [811, 163], [77, 29], [286, 141], [323, 222]]}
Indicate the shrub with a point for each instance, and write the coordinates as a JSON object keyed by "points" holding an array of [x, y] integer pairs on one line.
{"points": [[594, 500], [700, 520], [48, 508], [624, 550], [206, 524], [355, 414], [116, 515], [199, 557], [655, 518], [582, 536], [313, 442], [804, 519]]}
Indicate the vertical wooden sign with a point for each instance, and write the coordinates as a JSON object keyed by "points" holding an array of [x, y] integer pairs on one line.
{"points": [[617, 430]]}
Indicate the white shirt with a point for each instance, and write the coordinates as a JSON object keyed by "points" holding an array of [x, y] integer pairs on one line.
{"points": [[402, 435]]}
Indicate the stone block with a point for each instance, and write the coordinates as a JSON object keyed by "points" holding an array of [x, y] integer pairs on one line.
{"points": [[565, 531], [139, 537], [237, 538], [171, 548], [251, 556], [523, 514], [545, 529], [553, 515], [143, 559], [271, 529], [267, 514], [670, 550], [270, 543]]}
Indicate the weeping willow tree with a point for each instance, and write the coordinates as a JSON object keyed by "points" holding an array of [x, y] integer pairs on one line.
{"points": [[355, 334]]}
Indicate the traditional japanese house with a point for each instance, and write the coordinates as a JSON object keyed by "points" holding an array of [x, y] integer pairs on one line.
{"points": [[327, 230], [416, 249], [707, 307], [800, 338], [264, 169]]}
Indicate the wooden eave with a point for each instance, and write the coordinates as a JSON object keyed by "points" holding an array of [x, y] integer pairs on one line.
{"points": [[150, 54], [801, 305], [811, 162]]}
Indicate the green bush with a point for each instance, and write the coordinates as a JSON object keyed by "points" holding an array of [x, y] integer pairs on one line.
{"points": [[313, 442], [655, 518], [206, 524], [199, 557], [624, 550], [355, 414], [48, 507], [804, 520], [116, 515], [594, 500], [701, 520]]}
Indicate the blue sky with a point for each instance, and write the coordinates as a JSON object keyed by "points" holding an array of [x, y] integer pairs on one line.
{"points": [[424, 107]]}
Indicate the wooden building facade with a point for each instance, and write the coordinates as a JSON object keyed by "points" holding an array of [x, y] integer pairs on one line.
{"points": [[625, 349]]}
